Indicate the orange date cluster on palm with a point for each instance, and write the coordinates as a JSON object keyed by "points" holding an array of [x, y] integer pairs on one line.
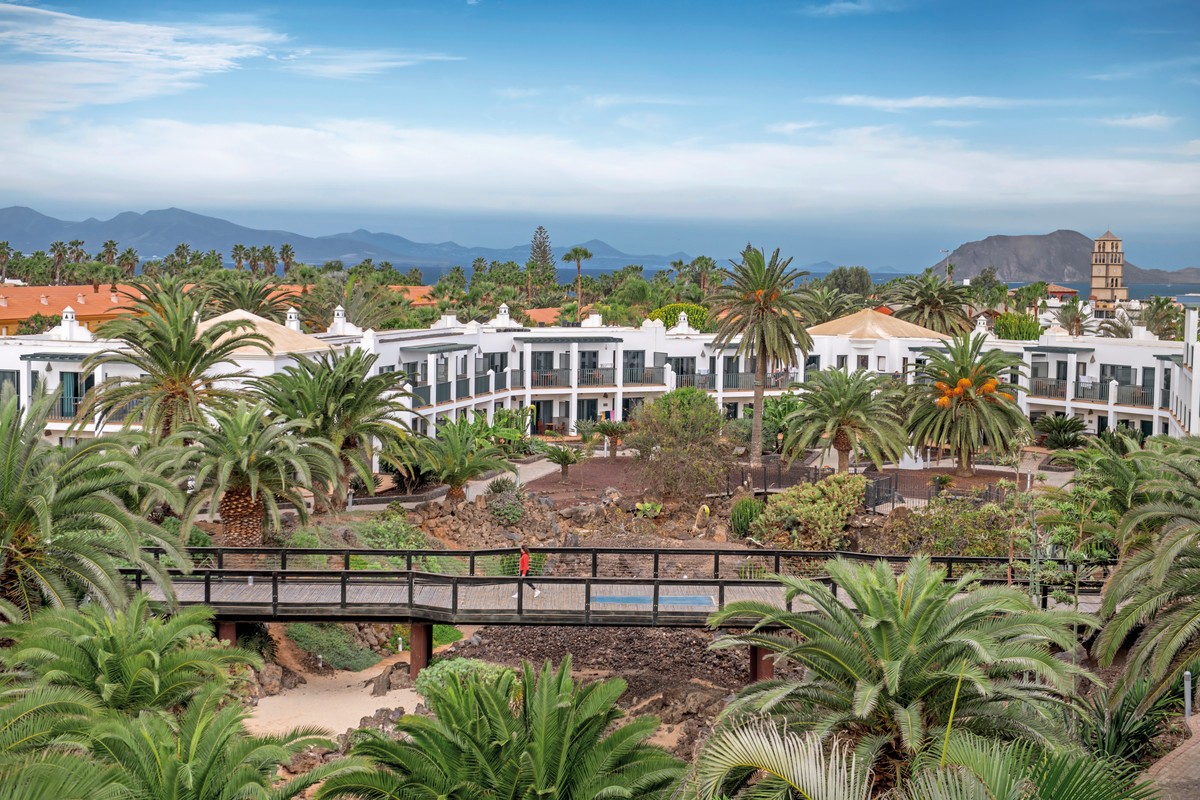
{"points": [[990, 391]]}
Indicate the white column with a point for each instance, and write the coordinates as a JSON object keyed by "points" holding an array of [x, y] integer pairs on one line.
{"points": [[573, 408], [527, 348], [619, 377], [1072, 361], [491, 406], [669, 377], [1112, 404]]}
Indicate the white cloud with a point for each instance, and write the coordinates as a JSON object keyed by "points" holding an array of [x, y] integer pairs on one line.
{"points": [[842, 8], [1144, 68], [371, 165], [517, 93], [792, 127], [955, 123], [1149, 122], [612, 100], [341, 64], [72, 61], [1191, 148], [928, 101]]}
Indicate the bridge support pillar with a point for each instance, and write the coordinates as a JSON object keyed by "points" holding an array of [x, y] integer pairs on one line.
{"points": [[420, 647], [762, 666], [227, 631]]}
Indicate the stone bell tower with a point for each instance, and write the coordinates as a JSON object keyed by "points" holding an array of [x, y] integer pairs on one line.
{"points": [[1108, 282]]}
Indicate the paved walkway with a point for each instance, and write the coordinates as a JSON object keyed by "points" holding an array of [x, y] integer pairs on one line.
{"points": [[1177, 774]]}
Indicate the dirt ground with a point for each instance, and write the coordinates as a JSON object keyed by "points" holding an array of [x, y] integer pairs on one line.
{"points": [[586, 482]]}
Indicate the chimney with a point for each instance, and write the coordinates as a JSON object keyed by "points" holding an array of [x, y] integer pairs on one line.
{"points": [[45, 301], [293, 320], [95, 286], [112, 298], [3, 301], [79, 298]]}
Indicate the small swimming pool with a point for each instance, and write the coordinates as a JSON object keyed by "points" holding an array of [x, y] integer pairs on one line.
{"points": [[663, 600]]}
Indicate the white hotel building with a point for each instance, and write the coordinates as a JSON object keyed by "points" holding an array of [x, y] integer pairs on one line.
{"points": [[599, 371]]}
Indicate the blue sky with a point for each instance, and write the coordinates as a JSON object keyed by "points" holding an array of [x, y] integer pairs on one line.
{"points": [[858, 131]]}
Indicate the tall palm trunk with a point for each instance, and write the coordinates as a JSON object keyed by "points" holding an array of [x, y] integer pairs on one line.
{"points": [[756, 424], [241, 518], [966, 466], [841, 443], [578, 290]]}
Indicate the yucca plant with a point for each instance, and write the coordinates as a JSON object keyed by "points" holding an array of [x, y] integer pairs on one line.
{"points": [[127, 660], [206, 754], [536, 735], [565, 458], [1062, 432], [71, 517], [911, 660]]}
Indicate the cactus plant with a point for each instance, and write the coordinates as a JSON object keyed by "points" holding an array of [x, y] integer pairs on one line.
{"points": [[744, 512]]}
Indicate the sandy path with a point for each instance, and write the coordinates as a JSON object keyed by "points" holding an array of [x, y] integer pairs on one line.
{"points": [[334, 702]]}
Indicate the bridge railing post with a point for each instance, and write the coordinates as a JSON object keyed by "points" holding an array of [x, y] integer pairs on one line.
{"points": [[654, 605], [656, 568], [777, 563], [587, 601], [454, 595], [346, 559], [595, 563], [220, 558], [283, 560], [207, 588], [717, 565], [720, 596], [471, 564], [274, 594], [345, 579]]}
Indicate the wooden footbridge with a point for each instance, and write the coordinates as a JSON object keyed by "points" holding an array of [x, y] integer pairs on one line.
{"points": [[668, 587]]}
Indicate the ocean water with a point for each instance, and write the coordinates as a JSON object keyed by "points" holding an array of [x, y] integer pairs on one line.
{"points": [[1137, 291]]}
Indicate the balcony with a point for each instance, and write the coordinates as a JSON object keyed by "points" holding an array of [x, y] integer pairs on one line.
{"points": [[443, 392], [644, 376], [1164, 399], [1095, 391], [550, 379], [518, 379], [598, 376], [64, 408], [481, 384], [500, 380], [739, 381], [1048, 387], [697, 380], [421, 396], [1134, 396], [462, 387]]}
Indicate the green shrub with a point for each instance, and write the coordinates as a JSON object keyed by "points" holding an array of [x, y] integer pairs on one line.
{"points": [[649, 509], [961, 526], [814, 515], [507, 508], [1122, 730], [302, 539], [442, 671], [336, 646], [396, 509], [743, 514], [442, 635], [1062, 432], [501, 485], [669, 314], [1014, 325], [390, 532]]}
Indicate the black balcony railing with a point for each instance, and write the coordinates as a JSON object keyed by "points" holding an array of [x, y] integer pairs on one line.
{"points": [[597, 376], [1096, 391], [1048, 387], [421, 396], [64, 408], [644, 376], [1133, 396], [481, 384], [518, 378], [462, 388], [443, 392], [550, 378], [696, 380]]}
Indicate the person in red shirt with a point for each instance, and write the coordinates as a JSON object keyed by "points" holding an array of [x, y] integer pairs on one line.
{"points": [[523, 567]]}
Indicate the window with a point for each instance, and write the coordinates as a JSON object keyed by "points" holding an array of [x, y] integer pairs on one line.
{"points": [[841, 362], [881, 363], [863, 362], [812, 363], [387, 368]]}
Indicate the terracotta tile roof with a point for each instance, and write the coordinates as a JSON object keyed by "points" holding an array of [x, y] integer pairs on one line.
{"points": [[22, 302], [871, 324], [417, 295], [543, 316]]}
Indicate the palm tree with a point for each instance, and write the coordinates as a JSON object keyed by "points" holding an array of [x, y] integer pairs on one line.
{"points": [[541, 735], [1073, 317], [270, 259], [262, 296], [57, 775], [58, 252], [35, 717], [456, 456], [343, 401], [1157, 586], [287, 254], [128, 261], [244, 463], [932, 302], [78, 254], [129, 661], [962, 401], [848, 411], [565, 458], [238, 253], [254, 256], [68, 520], [762, 305], [825, 303], [6, 254], [206, 754], [367, 304], [1117, 327], [912, 661], [579, 255], [108, 252], [179, 365], [1163, 317]]}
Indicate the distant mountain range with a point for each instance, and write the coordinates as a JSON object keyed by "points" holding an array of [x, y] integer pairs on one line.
{"points": [[1059, 256], [156, 234]]}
